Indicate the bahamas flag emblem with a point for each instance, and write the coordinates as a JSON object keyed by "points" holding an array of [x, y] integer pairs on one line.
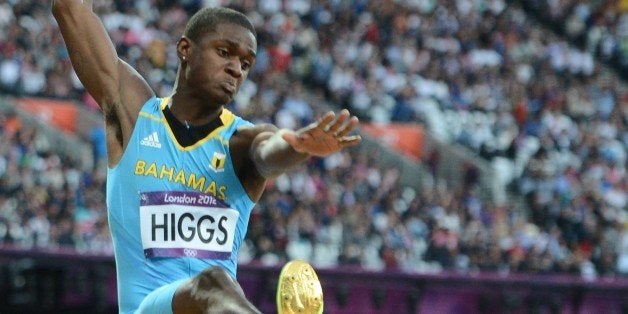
{"points": [[218, 162]]}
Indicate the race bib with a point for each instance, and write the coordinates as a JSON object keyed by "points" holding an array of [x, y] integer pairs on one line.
{"points": [[192, 224]]}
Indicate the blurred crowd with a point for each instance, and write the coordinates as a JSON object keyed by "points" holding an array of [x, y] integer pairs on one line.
{"points": [[481, 74], [46, 200], [597, 26]]}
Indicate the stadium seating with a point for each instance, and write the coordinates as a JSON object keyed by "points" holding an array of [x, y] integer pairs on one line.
{"points": [[482, 75]]}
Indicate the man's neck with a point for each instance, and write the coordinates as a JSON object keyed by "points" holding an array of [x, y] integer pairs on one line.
{"points": [[192, 111], [187, 134]]}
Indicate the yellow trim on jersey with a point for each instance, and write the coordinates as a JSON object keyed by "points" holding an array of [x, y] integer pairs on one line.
{"points": [[164, 102], [226, 116], [150, 116], [162, 105]]}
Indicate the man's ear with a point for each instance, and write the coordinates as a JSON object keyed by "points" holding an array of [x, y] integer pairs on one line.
{"points": [[183, 48]]}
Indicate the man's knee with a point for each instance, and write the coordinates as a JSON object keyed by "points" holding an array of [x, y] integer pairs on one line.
{"points": [[216, 273], [215, 291], [216, 277]]}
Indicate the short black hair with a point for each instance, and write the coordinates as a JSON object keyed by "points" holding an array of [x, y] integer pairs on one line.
{"points": [[207, 19]]}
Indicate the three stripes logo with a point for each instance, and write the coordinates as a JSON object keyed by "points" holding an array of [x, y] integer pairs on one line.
{"points": [[151, 141]]}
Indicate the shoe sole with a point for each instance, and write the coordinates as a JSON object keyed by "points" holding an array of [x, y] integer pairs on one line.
{"points": [[299, 290]]}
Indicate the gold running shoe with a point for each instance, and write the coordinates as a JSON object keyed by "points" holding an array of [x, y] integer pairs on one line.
{"points": [[299, 290]]}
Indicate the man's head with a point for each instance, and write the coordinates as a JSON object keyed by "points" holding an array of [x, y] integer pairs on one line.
{"points": [[217, 51]]}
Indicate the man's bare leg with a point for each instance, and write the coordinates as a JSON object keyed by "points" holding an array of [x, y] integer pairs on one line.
{"points": [[212, 291]]}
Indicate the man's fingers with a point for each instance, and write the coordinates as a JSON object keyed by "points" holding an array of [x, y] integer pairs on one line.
{"points": [[347, 127], [339, 122], [350, 140], [325, 120], [337, 126]]}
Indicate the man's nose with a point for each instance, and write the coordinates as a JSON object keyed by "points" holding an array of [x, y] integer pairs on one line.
{"points": [[234, 67]]}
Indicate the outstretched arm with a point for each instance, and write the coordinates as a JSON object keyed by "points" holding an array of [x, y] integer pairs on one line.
{"points": [[274, 153], [117, 87], [92, 53]]}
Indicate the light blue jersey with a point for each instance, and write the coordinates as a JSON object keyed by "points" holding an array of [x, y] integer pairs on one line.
{"points": [[173, 211]]}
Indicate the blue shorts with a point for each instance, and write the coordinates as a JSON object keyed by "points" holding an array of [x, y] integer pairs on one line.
{"points": [[160, 300]]}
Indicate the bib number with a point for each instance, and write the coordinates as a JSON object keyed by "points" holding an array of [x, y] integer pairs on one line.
{"points": [[191, 224]]}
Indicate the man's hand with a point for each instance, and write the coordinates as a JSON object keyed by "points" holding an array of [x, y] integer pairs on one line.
{"points": [[325, 136]]}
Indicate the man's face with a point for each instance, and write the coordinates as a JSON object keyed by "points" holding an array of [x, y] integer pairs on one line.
{"points": [[219, 63]]}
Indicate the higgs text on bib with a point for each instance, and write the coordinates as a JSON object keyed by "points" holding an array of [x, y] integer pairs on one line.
{"points": [[190, 224]]}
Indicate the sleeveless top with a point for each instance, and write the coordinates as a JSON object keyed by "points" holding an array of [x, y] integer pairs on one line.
{"points": [[174, 211]]}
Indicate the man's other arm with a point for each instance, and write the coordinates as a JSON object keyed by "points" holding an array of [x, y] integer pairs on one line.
{"points": [[275, 152], [118, 89]]}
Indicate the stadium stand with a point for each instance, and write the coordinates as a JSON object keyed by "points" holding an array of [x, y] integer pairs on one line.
{"points": [[599, 27], [481, 75]]}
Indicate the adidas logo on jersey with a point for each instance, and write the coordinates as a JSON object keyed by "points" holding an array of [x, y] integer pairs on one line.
{"points": [[151, 141]]}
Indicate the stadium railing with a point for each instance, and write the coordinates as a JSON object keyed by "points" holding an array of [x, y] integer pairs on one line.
{"points": [[59, 281]]}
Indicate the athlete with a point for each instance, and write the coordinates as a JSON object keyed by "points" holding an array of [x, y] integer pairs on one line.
{"points": [[184, 172]]}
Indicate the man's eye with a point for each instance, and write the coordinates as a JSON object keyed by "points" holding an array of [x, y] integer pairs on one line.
{"points": [[223, 52], [246, 65]]}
